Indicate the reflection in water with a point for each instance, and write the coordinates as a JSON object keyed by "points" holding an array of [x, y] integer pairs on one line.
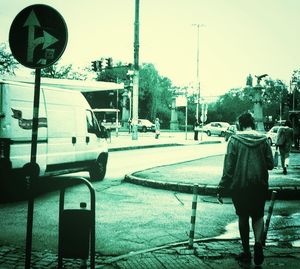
{"points": [[283, 230]]}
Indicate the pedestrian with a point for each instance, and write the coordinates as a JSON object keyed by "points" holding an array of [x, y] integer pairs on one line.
{"points": [[245, 177], [157, 128], [129, 126], [284, 143], [196, 129]]}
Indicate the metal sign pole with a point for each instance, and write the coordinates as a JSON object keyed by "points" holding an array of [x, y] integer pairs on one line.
{"points": [[24, 42], [33, 172]]}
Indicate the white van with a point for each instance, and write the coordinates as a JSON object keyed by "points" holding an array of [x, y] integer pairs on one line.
{"points": [[69, 137]]}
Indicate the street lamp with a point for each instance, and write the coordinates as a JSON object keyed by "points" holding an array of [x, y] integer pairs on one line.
{"points": [[198, 81], [278, 87]]}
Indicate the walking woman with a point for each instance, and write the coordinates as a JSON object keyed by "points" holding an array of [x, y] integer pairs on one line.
{"points": [[284, 143], [245, 176]]}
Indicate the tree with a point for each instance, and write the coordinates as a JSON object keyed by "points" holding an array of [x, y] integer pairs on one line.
{"points": [[64, 71], [229, 106], [8, 63], [116, 74], [154, 90], [155, 95], [274, 94]]}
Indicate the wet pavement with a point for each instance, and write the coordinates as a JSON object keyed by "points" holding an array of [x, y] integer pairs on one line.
{"points": [[212, 253]]}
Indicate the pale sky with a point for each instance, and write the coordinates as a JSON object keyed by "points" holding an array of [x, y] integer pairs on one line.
{"points": [[239, 37]]}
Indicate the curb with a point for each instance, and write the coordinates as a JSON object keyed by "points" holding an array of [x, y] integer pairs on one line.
{"points": [[203, 189], [144, 146], [159, 145], [283, 193]]}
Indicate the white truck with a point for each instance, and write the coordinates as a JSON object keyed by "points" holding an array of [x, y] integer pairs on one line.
{"points": [[69, 137]]}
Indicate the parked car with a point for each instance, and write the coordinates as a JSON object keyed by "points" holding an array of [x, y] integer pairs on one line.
{"points": [[272, 134], [230, 131], [216, 128], [145, 125]]}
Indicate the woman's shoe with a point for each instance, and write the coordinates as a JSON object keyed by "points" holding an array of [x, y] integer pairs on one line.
{"points": [[244, 257], [258, 254], [284, 171]]}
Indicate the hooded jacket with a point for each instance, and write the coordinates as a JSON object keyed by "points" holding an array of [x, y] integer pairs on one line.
{"points": [[247, 161]]}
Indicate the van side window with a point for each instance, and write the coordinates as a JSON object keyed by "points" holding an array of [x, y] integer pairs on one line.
{"points": [[91, 122]]}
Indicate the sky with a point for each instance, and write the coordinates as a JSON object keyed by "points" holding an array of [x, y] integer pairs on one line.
{"points": [[238, 37]]}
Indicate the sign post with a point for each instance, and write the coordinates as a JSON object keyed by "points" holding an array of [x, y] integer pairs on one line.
{"points": [[33, 170], [37, 39]]}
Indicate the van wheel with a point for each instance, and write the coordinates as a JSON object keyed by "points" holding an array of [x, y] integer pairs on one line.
{"points": [[208, 133], [98, 170]]}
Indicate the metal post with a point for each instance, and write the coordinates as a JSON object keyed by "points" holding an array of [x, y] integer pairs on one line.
{"points": [[135, 90], [117, 116], [32, 169], [193, 216], [270, 211], [186, 118], [186, 114], [198, 80]]}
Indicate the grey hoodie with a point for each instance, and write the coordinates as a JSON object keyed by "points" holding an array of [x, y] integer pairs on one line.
{"points": [[247, 161]]}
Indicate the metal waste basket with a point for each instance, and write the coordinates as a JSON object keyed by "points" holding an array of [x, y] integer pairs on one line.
{"points": [[76, 237]]}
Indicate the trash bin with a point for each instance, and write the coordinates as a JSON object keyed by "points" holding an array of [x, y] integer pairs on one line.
{"points": [[77, 230]]}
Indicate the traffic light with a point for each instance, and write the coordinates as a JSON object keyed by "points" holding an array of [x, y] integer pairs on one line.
{"points": [[109, 62], [94, 66], [99, 65]]}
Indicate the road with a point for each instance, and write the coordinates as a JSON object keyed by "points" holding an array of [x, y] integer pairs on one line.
{"points": [[128, 217]]}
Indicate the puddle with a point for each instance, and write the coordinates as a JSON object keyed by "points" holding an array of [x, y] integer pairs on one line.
{"points": [[296, 243], [231, 231], [282, 230]]}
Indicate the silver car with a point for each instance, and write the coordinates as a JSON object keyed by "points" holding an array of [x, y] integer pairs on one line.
{"points": [[145, 125], [216, 128], [272, 134]]}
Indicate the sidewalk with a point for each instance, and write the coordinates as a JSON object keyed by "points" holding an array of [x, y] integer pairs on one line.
{"points": [[210, 254], [213, 253], [207, 172], [124, 140], [171, 177]]}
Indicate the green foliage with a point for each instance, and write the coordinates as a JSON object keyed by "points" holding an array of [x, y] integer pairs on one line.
{"points": [[62, 72], [229, 106], [8, 64], [117, 74], [154, 90], [235, 101]]}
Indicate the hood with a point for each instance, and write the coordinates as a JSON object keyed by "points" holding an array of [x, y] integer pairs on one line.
{"points": [[250, 138]]}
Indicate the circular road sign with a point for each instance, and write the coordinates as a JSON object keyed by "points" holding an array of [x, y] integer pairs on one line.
{"points": [[38, 36]]}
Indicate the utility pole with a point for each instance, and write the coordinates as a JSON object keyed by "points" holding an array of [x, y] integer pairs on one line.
{"points": [[198, 81], [135, 89]]}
